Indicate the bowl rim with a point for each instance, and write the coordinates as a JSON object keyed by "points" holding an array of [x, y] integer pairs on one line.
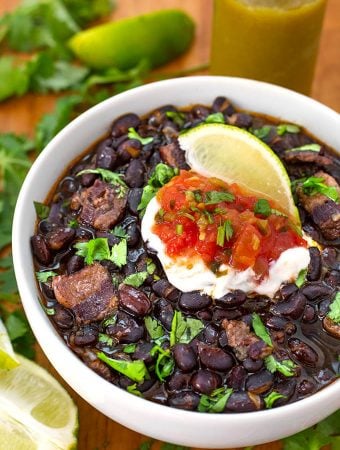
{"points": [[42, 326]]}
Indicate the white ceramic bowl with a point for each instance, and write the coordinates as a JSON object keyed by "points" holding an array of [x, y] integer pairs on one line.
{"points": [[163, 422]]}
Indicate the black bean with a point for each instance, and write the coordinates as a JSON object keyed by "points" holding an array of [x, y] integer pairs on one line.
{"points": [[306, 387], [286, 388], [87, 179], [121, 125], [309, 315], [74, 264], [85, 233], [332, 278], [204, 314], [200, 111], [69, 185], [215, 358], [164, 312], [252, 365], [59, 238], [45, 226], [243, 402], [241, 120], [157, 393], [329, 257], [133, 300], [185, 357], [314, 267], [210, 334], [106, 156], [287, 290], [185, 400], [316, 290], [134, 197], [258, 349], [223, 339], [293, 307], [222, 104], [40, 249], [205, 381], [63, 318], [194, 301], [85, 336], [276, 323], [257, 304], [164, 289], [237, 377], [259, 382], [134, 175], [133, 235], [127, 330], [290, 328], [142, 352], [153, 161], [230, 314], [331, 327], [232, 300], [128, 149], [303, 352], [178, 381], [324, 376]]}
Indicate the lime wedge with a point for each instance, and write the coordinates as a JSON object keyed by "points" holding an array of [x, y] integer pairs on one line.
{"points": [[8, 360], [35, 410], [236, 156]]}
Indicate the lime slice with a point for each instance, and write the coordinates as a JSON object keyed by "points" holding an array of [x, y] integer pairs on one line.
{"points": [[236, 156], [35, 410], [8, 360]]}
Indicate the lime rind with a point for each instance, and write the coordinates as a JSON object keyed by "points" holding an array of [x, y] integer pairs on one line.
{"points": [[237, 156]]}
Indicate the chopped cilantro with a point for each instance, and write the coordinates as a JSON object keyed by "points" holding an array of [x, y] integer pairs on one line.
{"points": [[306, 148], [161, 175], [119, 253], [109, 321], [262, 207], [153, 327], [49, 311], [105, 339], [216, 401], [43, 276], [271, 398], [334, 309], [220, 235], [129, 348], [73, 223], [213, 197], [132, 134], [150, 266], [286, 366], [316, 185], [215, 118], [119, 231], [164, 363], [133, 390], [136, 279], [98, 250], [177, 117], [110, 177], [184, 329], [261, 133], [41, 210], [135, 370], [287, 128], [260, 330], [301, 278], [228, 230]]}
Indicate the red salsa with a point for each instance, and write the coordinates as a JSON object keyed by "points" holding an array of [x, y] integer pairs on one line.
{"points": [[208, 218]]}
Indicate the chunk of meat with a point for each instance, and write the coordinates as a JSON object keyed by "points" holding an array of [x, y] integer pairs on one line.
{"points": [[101, 205], [88, 293], [241, 339], [172, 155], [324, 211]]}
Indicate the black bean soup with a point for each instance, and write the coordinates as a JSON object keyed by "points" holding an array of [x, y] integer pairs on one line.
{"points": [[123, 318]]}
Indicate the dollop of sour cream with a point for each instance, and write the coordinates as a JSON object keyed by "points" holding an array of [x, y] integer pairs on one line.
{"points": [[194, 275]]}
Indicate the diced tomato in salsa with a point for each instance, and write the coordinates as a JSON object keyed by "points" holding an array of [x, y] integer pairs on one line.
{"points": [[207, 218]]}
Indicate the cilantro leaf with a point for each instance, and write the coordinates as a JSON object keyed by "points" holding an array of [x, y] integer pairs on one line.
{"points": [[177, 117], [213, 197], [132, 134], [301, 278], [334, 309], [153, 327], [284, 128], [119, 231], [41, 210], [135, 370], [44, 276], [105, 339], [271, 398], [164, 363], [184, 329], [73, 223], [216, 401], [316, 185], [119, 253], [83, 11], [262, 207], [20, 334], [133, 390], [14, 78], [260, 330], [136, 279], [108, 176], [161, 175], [306, 148], [129, 348], [261, 133], [93, 250], [215, 118], [286, 366]]}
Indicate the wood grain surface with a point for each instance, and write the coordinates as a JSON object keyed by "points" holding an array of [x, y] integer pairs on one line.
{"points": [[20, 115]]}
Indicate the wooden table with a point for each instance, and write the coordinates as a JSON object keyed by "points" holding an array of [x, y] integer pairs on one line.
{"points": [[20, 115]]}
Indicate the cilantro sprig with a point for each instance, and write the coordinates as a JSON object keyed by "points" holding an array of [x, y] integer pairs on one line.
{"points": [[260, 330], [317, 185], [133, 134], [135, 370], [110, 177], [184, 329], [334, 309], [286, 366], [271, 398], [98, 249], [216, 401]]}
